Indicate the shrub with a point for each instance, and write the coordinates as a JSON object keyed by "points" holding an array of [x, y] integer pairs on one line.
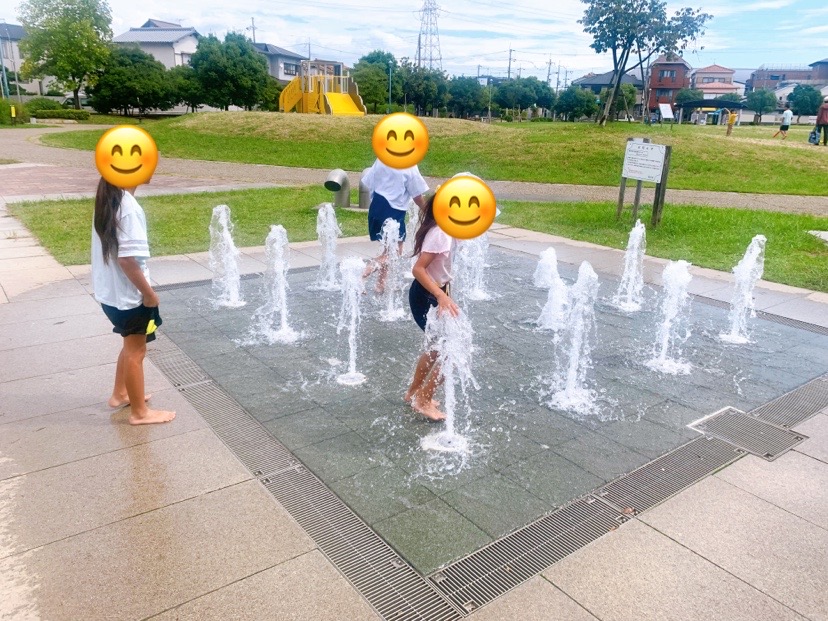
{"points": [[76, 115], [5, 112], [42, 103]]}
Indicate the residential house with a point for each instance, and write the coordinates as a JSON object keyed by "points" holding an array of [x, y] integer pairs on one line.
{"points": [[168, 43], [714, 81], [771, 77], [10, 36], [282, 64], [597, 83], [668, 75]]}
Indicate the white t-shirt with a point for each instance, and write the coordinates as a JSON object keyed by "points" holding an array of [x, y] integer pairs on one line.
{"points": [[440, 243], [787, 117], [398, 186], [109, 282]]}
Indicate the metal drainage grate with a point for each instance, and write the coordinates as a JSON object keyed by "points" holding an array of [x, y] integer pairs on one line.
{"points": [[391, 585], [664, 477], [748, 433], [796, 406], [395, 590], [787, 321], [502, 565]]}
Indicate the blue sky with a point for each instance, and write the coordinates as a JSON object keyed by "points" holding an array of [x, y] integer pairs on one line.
{"points": [[742, 34]]}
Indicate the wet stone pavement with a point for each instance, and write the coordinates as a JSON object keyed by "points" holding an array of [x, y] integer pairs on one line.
{"points": [[526, 459]]}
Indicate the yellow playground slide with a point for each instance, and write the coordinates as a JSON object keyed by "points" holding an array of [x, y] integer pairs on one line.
{"points": [[341, 104]]}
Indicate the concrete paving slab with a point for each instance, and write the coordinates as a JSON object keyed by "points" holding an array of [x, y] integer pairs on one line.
{"points": [[536, 600], [22, 252], [53, 330], [68, 390], [147, 564], [42, 442], [53, 504], [638, 574], [767, 547], [54, 357], [803, 310], [23, 242], [3, 298], [16, 284], [35, 310], [24, 264], [171, 270], [816, 445], [303, 588], [793, 482], [55, 289]]}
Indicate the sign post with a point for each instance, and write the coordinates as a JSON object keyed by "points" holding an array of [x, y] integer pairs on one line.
{"points": [[645, 161]]}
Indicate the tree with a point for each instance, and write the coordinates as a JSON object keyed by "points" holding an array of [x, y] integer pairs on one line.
{"points": [[623, 103], [230, 73], [131, 80], [735, 97], [689, 94], [372, 79], [544, 96], [576, 102], [270, 96], [186, 87], [805, 100], [760, 101], [638, 27], [427, 89], [67, 39], [466, 96]]}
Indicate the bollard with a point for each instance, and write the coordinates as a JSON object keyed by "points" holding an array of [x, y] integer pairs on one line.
{"points": [[337, 182], [364, 192]]}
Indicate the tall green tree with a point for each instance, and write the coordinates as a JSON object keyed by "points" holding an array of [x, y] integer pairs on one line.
{"points": [[634, 31], [760, 101], [623, 103], [426, 89], [576, 102], [805, 100], [466, 96], [689, 94], [186, 87], [132, 80], [231, 73], [67, 39], [735, 97], [371, 75]]}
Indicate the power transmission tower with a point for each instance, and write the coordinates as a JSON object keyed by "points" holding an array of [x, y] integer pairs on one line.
{"points": [[252, 27], [509, 73], [428, 42]]}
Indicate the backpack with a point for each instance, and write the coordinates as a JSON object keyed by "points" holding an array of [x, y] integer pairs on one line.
{"points": [[813, 137]]}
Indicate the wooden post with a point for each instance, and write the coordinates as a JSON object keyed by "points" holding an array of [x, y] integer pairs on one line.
{"points": [[621, 198], [661, 189], [637, 202], [638, 186]]}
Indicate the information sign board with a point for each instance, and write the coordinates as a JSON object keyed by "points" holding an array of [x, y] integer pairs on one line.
{"points": [[666, 111], [644, 161]]}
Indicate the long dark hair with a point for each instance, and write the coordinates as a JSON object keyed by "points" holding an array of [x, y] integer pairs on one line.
{"points": [[427, 222], [107, 201]]}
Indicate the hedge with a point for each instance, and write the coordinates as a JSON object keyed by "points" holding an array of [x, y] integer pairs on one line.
{"points": [[39, 104], [77, 115], [5, 112]]}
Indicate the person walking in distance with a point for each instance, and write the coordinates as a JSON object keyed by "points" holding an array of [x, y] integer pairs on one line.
{"points": [[822, 122], [787, 121]]}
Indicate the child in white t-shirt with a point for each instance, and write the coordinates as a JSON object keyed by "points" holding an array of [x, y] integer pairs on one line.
{"points": [[432, 274], [120, 279]]}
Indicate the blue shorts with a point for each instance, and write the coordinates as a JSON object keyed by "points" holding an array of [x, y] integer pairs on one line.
{"points": [[139, 320], [379, 211], [420, 301]]}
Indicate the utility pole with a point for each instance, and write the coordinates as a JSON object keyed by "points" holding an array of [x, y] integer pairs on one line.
{"points": [[5, 84], [253, 27], [509, 73], [478, 72], [309, 56], [549, 72], [558, 80]]}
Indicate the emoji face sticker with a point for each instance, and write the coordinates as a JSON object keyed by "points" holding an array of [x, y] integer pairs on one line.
{"points": [[126, 156], [400, 140], [464, 207]]}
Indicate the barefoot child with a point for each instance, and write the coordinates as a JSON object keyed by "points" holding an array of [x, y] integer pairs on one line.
{"points": [[432, 273], [121, 281]]}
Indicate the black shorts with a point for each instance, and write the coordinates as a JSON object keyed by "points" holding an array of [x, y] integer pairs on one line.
{"points": [[421, 301], [784, 128], [379, 211], [138, 320]]}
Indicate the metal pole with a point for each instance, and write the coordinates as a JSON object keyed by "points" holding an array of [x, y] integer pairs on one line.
{"points": [[14, 65], [5, 84], [390, 69]]}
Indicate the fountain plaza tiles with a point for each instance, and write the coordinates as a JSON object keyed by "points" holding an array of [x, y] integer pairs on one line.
{"points": [[527, 459]]}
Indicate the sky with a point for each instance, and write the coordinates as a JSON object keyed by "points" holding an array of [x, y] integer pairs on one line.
{"points": [[476, 36]]}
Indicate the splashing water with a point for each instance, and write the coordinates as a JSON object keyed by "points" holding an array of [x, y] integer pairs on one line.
{"points": [[553, 315], [747, 272], [392, 295], [224, 260], [571, 392], [667, 358], [629, 295], [327, 230], [352, 287], [451, 338], [470, 268], [413, 213], [274, 310]]}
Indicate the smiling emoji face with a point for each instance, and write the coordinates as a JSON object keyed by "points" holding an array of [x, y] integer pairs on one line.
{"points": [[464, 207], [400, 140], [126, 156]]}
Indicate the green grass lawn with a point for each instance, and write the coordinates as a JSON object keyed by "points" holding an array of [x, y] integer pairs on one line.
{"points": [[708, 237], [578, 153]]}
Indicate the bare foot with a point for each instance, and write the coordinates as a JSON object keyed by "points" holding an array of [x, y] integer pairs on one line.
{"points": [[407, 398], [430, 412], [119, 402], [151, 417]]}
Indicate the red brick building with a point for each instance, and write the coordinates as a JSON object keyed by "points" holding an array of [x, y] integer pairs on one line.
{"points": [[667, 77]]}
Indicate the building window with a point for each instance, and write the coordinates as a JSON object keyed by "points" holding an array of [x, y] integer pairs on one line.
{"points": [[667, 73], [664, 92], [291, 69], [773, 77]]}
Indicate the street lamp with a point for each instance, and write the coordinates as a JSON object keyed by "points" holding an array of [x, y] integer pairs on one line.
{"points": [[390, 69]]}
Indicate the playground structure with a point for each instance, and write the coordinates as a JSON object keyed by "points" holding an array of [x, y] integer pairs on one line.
{"points": [[322, 87]]}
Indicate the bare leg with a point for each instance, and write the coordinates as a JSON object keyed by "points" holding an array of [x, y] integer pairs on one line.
{"points": [[424, 365], [426, 378], [119, 396], [135, 348]]}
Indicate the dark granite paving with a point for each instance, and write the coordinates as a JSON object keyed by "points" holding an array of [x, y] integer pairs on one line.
{"points": [[526, 459]]}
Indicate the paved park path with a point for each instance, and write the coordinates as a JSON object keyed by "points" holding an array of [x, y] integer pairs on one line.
{"points": [[69, 172]]}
